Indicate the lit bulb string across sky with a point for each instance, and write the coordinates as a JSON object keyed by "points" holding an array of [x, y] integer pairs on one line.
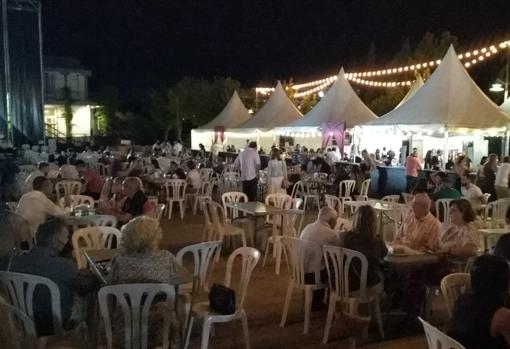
{"points": [[471, 58]]}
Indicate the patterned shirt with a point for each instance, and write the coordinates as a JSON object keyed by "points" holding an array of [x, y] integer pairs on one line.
{"points": [[454, 236], [419, 234], [153, 266]]}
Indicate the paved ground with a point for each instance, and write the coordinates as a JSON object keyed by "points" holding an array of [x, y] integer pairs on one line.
{"points": [[264, 305]]}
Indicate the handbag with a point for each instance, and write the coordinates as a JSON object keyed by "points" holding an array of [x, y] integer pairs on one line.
{"points": [[222, 299]]}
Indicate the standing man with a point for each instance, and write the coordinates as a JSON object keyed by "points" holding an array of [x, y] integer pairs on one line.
{"points": [[502, 177], [248, 161], [412, 166]]}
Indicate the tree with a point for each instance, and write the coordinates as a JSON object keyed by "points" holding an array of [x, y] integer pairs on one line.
{"points": [[68, 111], [109, 101]]}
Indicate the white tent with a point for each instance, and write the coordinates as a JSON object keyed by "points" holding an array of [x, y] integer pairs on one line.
{"points": [[278, 111], [448, 104], [233, 115], [449, 99], [340, 104], [417, 84]]}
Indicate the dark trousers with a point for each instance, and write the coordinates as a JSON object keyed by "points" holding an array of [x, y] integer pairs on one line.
{"points": [[250, 189], [410, 183], [318, 295]]}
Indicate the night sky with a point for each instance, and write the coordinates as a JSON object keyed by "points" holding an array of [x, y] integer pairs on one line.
{"points": [[139, 43]]}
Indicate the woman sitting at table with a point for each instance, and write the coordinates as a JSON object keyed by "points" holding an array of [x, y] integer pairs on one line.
{"points": [[459, 238], [480, 317], [363, 238], [111, 195], [141, 261]]}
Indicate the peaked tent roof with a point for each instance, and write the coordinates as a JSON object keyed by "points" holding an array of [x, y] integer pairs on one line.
{"points": [[233, 115], [449, 98], [506, 105], [340, 104], [412, 90], [278, 111]]}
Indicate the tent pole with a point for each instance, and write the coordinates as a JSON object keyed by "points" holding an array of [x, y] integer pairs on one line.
{"points": [[445, 151], [506, 142]]}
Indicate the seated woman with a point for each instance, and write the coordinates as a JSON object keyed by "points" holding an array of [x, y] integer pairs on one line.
{"points": [[363, 238], [459, 238], [480, 317], [141, 261], [111, 195]]}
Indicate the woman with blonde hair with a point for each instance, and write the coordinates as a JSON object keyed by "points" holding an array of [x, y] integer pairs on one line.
{"points": [[276, 172], [363, 238]]}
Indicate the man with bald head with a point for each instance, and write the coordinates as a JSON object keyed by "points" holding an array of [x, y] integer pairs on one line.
{"points": [[420, 230], [322, 233]]}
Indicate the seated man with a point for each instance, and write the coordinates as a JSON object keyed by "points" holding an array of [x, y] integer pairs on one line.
{"points": [[35, 206], [42, 171], [470, 191], [176, 171], [320, 232], [420, 230], [93, 183], [444, 188], [135, 201], [43, 260], [193, 178]]}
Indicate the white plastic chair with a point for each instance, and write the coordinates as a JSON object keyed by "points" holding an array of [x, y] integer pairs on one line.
{"points": [[92, 238], [278, 200], [66, 188], [296, 205], [443, 210], [286, 228], [20, 294], [19, 326], [175, 192], [230, 181], [334, 203], [346, 187], [134, 301], [78, 200], [452, 286], [408, 198], [299, 253], [160, 209], [202, 254], [303, 189], [249, 258], [338, 264], [495, 212], [365, 188], [205, 192], [392, 199], [206, 174], [232, 197], [102, 170], [220, 227], [103, 220], [437, 339]]}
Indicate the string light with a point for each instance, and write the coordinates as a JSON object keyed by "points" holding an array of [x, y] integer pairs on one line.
{"points": [[473, 57]]}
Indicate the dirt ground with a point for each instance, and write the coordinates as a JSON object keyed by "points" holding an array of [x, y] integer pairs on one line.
{"points": [[264, 305]]}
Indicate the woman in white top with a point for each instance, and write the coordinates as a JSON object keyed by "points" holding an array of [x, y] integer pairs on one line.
{"points": [[276, 172]]}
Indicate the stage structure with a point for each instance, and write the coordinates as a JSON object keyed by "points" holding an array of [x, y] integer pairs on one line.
{"points": [[21, 88]]}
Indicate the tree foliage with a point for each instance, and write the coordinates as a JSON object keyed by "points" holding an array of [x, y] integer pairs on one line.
{"points": [[68, 111]]}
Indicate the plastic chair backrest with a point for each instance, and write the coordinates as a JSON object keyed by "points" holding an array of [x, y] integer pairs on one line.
{"points": [[202, 254], [295, 189], [408, 198], [109, 233], [249, 259], [216, 216], [334, 203], [20, 294], [452, 286], [443, 210], [231, 176], [296, 203], [206, 174], [338, 264], [498, 209], [365, 187], [437, 339], [19, 327], [92, 238], [391, 198], [300, 255], [66, 188], [346, 187], [278, 200], [103, 220], [232, 197], [175, 189], [102, 170], [134, 301], [78, 200]]}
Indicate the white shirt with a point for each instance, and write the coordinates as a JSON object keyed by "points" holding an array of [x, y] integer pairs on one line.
{"points": [[333, 156], [30, 179], [35, 207], [247, 161], [502, 175], [321, 234], [193, 178], [472, 193], [69, 172], [177, 148]]}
